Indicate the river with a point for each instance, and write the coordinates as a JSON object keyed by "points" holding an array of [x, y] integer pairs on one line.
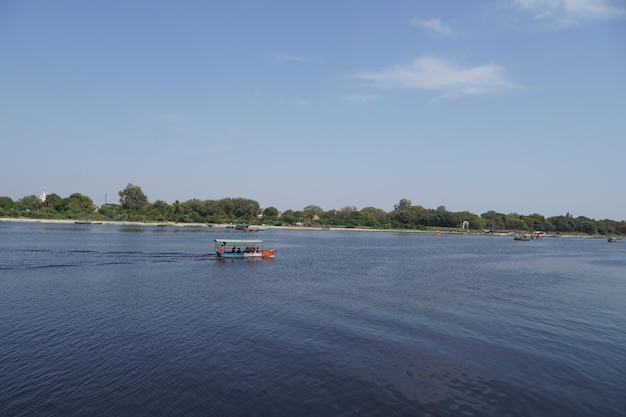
{"points": [[103, 320]]}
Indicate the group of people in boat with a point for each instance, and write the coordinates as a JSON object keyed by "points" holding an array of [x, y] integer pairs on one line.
{"points": [[235, 249]]}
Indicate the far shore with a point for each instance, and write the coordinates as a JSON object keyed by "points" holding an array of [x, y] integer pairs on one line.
{"points": [[175, 224], [253, 227]]}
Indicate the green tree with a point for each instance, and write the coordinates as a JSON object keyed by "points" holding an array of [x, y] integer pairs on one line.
{"points": [[244, 208], [229, 209], [6, 205], [195, 210], [421, 217], [53, 204], [537, 222], [347, 217], [160, 211], [252, 210], [368, 219], [290, 217], [270, 213], [514, 222], [111, 211], [379, 215], [562, 223], [133, 198], [495, 220], [311, 211], [402, 205], [331, 217], [78, 205], [456, 219], [214, 209], [32, 202]]}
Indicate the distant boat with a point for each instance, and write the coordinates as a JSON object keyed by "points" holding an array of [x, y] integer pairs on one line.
{"points": [[86, 222], [521, 236], [242, 227], [437, 234], [613, 239]]}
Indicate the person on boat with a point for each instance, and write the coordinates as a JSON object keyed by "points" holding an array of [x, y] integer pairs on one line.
{"points": [[238, 250], [222, 249], [232, 250]]}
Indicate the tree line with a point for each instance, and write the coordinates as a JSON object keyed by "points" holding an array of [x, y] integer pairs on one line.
{"points": [[135, 206]]}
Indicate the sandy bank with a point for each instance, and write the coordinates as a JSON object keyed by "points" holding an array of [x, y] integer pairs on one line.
{"points": [[173, 224], [226, 225]]}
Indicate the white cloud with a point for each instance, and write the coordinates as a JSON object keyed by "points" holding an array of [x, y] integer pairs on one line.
{"points": [[571, 11], [359, 98], [434, 74], [289, 58], [435, 26]]}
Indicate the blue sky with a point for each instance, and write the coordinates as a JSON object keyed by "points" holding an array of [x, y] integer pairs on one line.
{"points": [[506, 105]]}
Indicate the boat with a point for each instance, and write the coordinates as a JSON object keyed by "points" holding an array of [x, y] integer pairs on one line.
{"points": [[242, 248], [521, 236], [538, 234], [613, 239], [436, 233], [86, 222], [243, 227]]}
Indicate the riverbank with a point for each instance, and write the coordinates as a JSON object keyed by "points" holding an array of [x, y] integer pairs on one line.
{"points": [[227, 225], [174, 224]]}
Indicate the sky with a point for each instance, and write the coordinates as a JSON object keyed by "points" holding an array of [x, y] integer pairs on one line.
{"points": [[517, 106]]}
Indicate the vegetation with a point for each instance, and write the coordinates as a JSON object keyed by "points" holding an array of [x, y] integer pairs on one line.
{"points": [[135, 206]]}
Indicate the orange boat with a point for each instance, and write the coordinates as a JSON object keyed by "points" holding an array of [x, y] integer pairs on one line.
{"points": [[242, 248]]}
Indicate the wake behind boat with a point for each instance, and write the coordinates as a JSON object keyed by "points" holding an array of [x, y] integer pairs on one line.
{"points": [[242, 248]]}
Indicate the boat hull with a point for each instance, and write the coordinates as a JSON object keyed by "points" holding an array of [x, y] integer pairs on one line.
{"points": [[253, 255]]}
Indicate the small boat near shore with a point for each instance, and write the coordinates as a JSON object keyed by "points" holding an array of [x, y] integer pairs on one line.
{"points": [[521, 236], [613, 239], [242, 248], [242, 227]]}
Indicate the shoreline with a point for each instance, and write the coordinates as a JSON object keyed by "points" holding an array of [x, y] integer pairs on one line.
{"points": [[227, 225], [201, 225]]}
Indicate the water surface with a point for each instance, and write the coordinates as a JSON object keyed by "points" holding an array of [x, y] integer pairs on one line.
{"points": [[106, 320]]}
